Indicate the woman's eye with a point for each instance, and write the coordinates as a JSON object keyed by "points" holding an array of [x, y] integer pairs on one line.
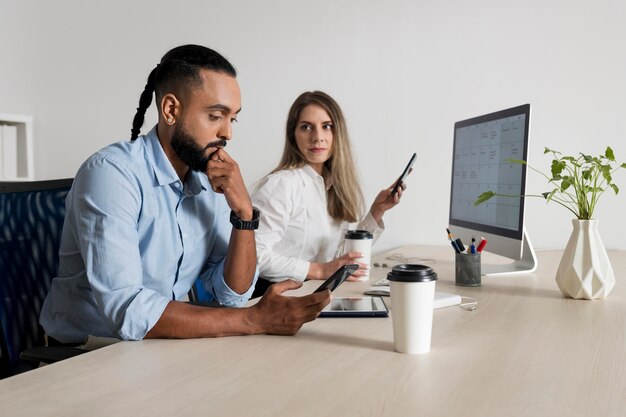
{"points": [[327, 126], [306, 128]]}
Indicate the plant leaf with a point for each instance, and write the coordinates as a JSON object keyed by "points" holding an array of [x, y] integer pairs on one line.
{"points": [[557, 167], [516, 161], [548, 196], [606, 173], [565, 184], [614, 187], [487, 195], [586, 174], [609, 154]]}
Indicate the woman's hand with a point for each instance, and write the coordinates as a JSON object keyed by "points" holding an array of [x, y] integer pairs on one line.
{"points": [[385, 200], [325, 270]]}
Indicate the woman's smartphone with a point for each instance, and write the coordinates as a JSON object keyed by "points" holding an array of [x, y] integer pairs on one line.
{"points": [[404, 174], [338, 277]]}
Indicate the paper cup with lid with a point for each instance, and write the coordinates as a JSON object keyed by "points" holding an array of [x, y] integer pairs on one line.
{"points": [[412, 290], [359, 241]]}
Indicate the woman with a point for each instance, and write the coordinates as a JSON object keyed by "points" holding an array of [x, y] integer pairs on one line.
{"points": [[310, 199]]}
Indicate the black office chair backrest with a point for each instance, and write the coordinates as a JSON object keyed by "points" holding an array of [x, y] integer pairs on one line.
{"points": [[31, 220]]}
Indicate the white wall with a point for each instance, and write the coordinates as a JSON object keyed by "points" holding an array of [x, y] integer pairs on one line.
{"points": [[403, 72]]}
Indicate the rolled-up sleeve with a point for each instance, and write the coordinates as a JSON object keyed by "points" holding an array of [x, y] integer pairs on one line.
{"points": [[215, 284], [107, 204]]}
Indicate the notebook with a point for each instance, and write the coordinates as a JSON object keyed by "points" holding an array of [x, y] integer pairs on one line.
{"points": [[442, 299]]}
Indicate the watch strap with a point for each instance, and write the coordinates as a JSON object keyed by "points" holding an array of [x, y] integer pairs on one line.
{"points": [[245, 224]]}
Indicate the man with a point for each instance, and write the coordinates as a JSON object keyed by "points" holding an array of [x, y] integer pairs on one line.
{"points": [[145, 218]]}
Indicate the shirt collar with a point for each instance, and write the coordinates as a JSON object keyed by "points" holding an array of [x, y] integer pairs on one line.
{"points": [[165, 173], [195, 183], [325, 179]]}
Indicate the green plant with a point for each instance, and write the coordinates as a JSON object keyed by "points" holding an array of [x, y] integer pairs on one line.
{"points": [[579, 181]]}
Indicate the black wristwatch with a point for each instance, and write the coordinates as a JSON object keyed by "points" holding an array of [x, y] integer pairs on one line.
{"points": [[245, 224]]}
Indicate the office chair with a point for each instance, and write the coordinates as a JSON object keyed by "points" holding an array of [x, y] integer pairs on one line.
{"points": [[31, 220], [198, 295]]}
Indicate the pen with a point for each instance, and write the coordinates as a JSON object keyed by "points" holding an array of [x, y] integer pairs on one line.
{"points": [[453, 243], [472, 248], [459, 243], [481, 245]]}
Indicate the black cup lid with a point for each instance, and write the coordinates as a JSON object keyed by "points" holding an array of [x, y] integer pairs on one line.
{"points": [[359, 234], [412, 273]]}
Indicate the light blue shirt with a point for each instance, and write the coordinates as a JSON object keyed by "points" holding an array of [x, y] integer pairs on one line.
{"points": [[134, 238]]}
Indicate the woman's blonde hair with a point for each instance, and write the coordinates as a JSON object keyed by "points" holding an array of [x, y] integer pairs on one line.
{"points": [[345, 199]]}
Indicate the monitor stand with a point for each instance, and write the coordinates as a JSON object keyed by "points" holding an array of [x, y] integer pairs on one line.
{"points": [[526, 265]]}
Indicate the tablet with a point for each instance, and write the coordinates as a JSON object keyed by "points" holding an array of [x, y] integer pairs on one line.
{"points": [[355, 307]]}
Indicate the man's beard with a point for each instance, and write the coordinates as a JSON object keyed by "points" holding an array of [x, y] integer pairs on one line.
{"points": [[188, 150]]}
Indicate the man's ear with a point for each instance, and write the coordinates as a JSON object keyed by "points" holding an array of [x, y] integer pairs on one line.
{"points": [[170, 108]]}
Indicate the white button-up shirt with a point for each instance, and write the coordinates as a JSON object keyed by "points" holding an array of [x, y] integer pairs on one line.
{"points": [[295, 228]]}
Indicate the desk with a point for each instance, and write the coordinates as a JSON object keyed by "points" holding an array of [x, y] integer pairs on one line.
{"points": [[526, 351]]}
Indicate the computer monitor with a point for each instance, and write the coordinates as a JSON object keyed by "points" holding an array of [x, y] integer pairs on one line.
{"points": [[482, 147]]}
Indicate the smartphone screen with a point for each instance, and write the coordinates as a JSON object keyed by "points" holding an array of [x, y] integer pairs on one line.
{"points": [[338, 277], [404, 174]]}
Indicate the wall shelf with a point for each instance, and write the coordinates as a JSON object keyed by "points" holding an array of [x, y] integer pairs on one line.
{"points": [[16, 147]]}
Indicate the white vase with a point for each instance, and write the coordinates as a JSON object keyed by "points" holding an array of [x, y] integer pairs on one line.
{"points": [[585, 270]]}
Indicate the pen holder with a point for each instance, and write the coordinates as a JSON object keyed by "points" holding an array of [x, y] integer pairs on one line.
{"points": [[467, 269]]}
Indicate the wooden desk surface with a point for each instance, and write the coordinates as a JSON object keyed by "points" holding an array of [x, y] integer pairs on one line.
{"points": [[526, 351]]}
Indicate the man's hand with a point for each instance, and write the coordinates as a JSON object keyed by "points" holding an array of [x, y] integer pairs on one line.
{"points": [[325, 270], [279, 314], [225, 177]]}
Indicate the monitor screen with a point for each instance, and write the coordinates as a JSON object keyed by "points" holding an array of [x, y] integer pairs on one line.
{"points": [[483, 148]]}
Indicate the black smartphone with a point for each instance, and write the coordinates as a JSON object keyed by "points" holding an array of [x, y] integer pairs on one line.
{"points": [[338, 277], [404, 174]]}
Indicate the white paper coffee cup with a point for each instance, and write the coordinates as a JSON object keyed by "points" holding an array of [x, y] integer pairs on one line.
{"points": [[359, 241], [412, 290]]}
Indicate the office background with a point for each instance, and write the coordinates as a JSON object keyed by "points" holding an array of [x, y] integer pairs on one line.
{"points": [[403, 71]]}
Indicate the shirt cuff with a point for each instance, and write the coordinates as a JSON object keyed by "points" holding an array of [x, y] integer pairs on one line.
{"points": [[142, 314], [225, 295], [301, 270], [368, 223]]}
